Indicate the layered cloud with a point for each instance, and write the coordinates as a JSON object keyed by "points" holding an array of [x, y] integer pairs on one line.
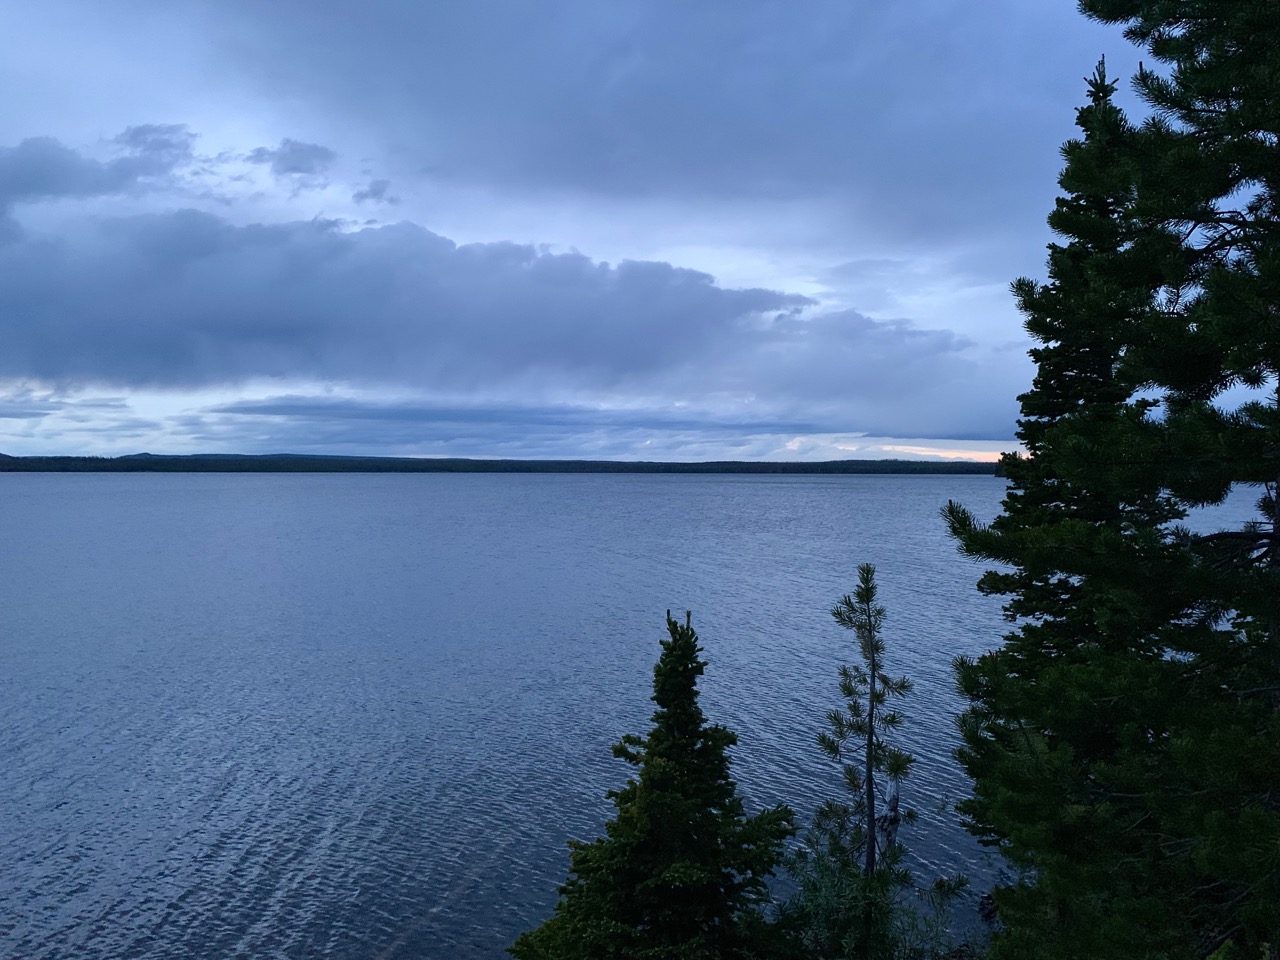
{"points": [[796, 229], [186, 300]]}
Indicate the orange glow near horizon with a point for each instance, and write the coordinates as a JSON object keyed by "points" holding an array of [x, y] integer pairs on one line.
{"points": [[985, 456]]}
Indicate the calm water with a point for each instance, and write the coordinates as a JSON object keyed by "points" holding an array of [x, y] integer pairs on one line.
{"points": [[359, 715]]}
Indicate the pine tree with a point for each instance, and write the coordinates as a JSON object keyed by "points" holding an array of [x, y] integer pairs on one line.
{"points": [[681, 871], [1142, 690], [1209, 167], [1067, 718], [867, 717], [851, 901]]}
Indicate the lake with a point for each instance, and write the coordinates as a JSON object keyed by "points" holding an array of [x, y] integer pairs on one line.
{"points": [[359, 715]]}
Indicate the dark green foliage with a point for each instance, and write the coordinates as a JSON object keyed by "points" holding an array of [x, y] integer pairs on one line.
{"points": [[1125, 740], [1210, 168], [853, 897], [1064, 714], [681, 871]]}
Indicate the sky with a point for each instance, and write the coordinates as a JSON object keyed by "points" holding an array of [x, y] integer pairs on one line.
{"points": [[603, 229]]}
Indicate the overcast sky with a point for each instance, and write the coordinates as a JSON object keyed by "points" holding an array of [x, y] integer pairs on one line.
{"points": [[570, 228]]}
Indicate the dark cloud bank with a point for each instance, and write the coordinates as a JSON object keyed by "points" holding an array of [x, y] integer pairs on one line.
{"points": [[187, 300], [928, 119]]}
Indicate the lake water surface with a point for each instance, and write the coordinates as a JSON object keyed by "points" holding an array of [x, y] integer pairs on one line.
{"points": [[359, 715]]}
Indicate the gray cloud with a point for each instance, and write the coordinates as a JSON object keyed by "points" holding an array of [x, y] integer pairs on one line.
{"points": [[500, 431], [157, 146], [27, 408], [932, 118], [320, 409], [327, 424], [378, 191], [41, 168], [324, 424], [187, 300], [30, 418], [295, 158]]}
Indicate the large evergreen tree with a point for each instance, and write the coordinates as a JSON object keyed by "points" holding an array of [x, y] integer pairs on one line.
{"points": [[1065, 717], [1125, 741], [1210, 168], [681, 871]]}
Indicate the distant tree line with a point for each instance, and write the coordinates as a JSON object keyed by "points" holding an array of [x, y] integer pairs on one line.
{"points": [[291, 463]]}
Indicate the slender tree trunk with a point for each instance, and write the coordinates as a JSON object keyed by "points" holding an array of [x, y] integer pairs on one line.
{"points": [[887, 828], [1274, 560], [870, 865]]}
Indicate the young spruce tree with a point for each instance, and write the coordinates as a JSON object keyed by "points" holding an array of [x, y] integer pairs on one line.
{"points": [[681, 871]]}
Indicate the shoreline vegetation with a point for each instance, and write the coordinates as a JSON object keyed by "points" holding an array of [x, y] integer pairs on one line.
{"points": [[304, 463], [682, 872]]}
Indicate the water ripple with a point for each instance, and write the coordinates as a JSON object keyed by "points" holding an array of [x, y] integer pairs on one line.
{"points": [[359, 716]]}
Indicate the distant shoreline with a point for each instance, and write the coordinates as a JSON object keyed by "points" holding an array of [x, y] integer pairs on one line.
{"points": [[300, 463]]}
